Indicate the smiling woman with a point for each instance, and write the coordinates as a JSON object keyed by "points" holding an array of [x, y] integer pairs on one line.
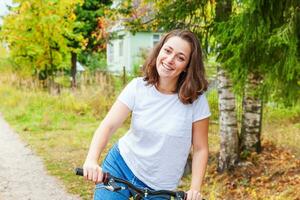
{"points": [[169, 116]]}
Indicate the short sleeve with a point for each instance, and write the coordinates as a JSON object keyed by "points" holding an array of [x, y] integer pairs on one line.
{"points": [[201, 109], [127, 95]]}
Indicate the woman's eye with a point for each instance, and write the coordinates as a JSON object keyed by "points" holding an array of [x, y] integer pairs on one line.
{"points": [[181, 59], [167, 50]]}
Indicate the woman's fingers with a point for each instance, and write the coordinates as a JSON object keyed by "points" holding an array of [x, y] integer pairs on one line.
{"points": [[95, 175], [194, 195], [100, 177], [92, 172]]}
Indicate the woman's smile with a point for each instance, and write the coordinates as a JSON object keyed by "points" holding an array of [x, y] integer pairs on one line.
{"points": [[167, 68]]}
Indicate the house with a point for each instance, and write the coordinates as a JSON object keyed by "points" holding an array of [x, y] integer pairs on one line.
{"points": [[79, 67], [126, 49]]}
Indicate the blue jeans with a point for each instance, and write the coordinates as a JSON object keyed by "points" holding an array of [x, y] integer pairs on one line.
{"points": [[116, 166]]}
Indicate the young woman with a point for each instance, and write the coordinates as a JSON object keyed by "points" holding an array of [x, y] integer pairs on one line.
{"points": [[169, 116]]}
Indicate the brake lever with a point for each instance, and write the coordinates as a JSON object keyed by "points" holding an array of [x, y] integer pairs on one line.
{"points": [[180, 195], [112, 186]]}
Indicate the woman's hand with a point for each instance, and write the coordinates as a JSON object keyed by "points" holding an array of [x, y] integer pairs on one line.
{"points": [[193, 195], [92, 171]]}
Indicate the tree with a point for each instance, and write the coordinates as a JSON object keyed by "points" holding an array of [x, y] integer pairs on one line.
{"points": [[229, 140], [252, 115], [262, 55], [35, 30], [135, 15], [165, 15], [197, 16], [92, 26]]}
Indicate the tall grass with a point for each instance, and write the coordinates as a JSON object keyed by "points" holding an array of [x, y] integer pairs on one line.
{"points": [[282, 126]]}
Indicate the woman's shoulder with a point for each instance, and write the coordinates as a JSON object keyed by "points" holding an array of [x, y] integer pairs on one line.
{"points": [[135, 81], [139, 81], [201, 98]]}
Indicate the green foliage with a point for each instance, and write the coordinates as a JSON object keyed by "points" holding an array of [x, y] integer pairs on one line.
{"points": [[3, 52], [93, 60], [212, 98], [139, 61], [135, 15], [263, 38], [165, 15], [92, 26], [278, 111], [137, 69], [90, 16], [245, 154], [195, 15], [62, 80], [4, 59], [35, 32]]}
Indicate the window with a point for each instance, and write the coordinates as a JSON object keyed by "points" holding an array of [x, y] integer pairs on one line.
{"points": [[110, 52], [121, 48], [156, 38]]}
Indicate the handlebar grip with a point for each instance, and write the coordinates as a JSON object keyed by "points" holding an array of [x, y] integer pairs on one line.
{"points": [[79, 171], [106, 176], [181, 195]]}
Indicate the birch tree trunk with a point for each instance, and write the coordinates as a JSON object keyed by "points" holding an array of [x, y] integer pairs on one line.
{"points": [[252, 116], [229, 144]]}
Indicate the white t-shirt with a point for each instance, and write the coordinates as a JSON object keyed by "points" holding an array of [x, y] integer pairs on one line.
{"points": [[158, 142]]}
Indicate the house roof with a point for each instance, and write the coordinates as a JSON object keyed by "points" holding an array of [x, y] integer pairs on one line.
{"points": [[79, 67]]}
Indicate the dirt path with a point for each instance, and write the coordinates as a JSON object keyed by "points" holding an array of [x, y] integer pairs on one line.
{"points": [[22, 174]]}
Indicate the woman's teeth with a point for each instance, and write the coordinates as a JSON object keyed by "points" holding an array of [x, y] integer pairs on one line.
{"points": [[166, 67]]}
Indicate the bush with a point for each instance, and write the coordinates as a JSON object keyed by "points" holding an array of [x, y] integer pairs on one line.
{"points": [[212, 97]]}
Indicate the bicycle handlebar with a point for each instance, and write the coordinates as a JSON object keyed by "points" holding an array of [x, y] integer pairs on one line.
{"points": [[110, 180], [79, 171]]}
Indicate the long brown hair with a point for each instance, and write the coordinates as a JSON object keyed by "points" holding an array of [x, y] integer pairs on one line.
{"points": [[191, 83]]}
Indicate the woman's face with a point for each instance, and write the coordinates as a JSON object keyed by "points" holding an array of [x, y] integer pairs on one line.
{"points": [[173, 58]]}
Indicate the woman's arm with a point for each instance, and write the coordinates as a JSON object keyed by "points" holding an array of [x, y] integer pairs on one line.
{"points": [[200, 157], [113, 120]]}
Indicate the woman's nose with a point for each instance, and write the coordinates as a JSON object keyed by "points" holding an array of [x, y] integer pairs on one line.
{"points": [[170, 59]]}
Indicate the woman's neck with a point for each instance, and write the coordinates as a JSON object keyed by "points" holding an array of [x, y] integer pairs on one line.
{"points": [[167, 87]]}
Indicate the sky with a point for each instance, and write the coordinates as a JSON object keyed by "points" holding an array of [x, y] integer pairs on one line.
{"points": [[3, 8]]}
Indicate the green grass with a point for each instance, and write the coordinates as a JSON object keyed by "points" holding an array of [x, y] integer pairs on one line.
{"points": [[60, 128], [282, 126]]}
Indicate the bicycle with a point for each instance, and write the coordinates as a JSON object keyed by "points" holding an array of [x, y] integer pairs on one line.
{"points": [[111, 183]]}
